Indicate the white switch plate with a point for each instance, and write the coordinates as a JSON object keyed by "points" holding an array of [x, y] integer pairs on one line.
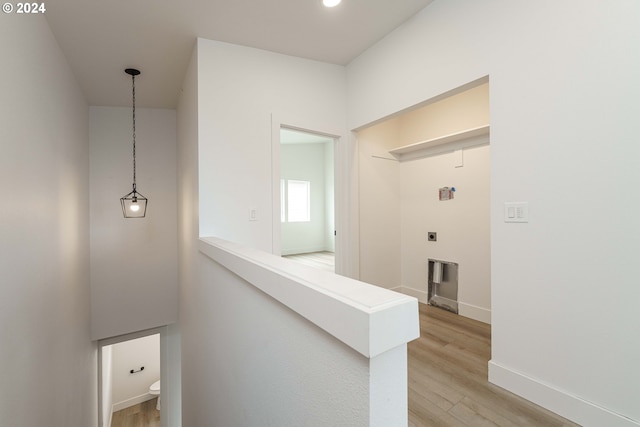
{"points": [[253, 215], [516, 212]]}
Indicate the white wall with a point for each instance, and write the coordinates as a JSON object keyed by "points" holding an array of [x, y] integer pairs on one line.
{"points": [[380, 204], [107, 385], [462, 225], [171, 408], [224, 134], [330, 197], [48, 366], [128, 388], [187, 132], [563, 135], [133, 261], [306, 162], [243, 89]]}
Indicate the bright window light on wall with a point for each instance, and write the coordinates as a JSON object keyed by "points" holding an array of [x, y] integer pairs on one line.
{"points": [[282, 202], [298, 201]]}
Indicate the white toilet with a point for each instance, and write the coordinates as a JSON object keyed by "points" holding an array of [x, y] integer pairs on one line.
{"points": [[154, 389]]}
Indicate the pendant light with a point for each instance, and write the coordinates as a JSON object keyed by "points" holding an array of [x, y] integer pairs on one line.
{"points": [[134, 204]]}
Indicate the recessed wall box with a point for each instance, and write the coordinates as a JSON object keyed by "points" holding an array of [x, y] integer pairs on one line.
{"points": [[442, 279], [446, 193]]}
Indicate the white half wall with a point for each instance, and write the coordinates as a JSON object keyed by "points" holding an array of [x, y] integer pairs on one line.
{"points": [[134, 268], [48, 364], [564, 93], [278, 351]]}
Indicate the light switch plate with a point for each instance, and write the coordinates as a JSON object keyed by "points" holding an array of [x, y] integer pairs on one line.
{"points": [[516, 212]]}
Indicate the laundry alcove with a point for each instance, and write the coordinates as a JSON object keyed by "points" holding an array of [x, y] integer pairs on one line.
{"points": [[404, 161]]}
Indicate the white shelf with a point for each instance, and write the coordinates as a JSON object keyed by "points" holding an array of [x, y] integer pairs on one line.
{"points": [[454, 141]]}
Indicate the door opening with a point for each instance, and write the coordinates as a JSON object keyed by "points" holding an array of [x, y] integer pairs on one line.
{"points": [[129, 379], [307, 219]]}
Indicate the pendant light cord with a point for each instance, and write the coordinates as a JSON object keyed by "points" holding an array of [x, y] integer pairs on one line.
{"points": [[133, 84]]}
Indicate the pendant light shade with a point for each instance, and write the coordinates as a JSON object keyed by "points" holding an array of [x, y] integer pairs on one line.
{"points": [[134, 204]]}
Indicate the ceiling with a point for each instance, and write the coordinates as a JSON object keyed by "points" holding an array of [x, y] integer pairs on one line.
{"points": [[100, 38], [290, 136]]}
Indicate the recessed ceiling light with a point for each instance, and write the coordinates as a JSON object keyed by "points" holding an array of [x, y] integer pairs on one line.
{"points": [[331, 3]]}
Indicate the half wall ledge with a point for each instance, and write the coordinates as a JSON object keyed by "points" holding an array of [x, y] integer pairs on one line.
{"points": [[367, 318]]}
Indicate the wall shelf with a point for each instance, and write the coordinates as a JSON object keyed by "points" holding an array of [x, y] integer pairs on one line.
{"points": [[442, 144]]}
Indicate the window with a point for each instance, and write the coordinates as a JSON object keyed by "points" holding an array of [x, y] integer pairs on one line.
{"points": [[298, 201]]}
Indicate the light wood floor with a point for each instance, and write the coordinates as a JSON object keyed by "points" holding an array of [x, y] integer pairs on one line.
{"points": [[321, 260], [143, 414], [448, 378]]}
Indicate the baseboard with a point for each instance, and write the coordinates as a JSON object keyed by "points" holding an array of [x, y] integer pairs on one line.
{"points": [[466, 310], [133, 401], [308, 250], [421, 295], [474, 312], [562, 403]]}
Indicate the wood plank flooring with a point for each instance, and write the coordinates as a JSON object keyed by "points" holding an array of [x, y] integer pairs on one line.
{"points": [[322, 260], [143, 414], [448, 378]]}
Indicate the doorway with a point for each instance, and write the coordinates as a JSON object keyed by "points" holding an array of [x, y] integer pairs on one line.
{"points": [[408, 163], [307, 201], [128, 368]]}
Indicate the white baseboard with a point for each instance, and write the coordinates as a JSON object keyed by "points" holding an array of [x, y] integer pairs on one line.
{"points": [[421, 295], [467, 310], [474, 312], [130, 402], [307, 250], [562, 403]]}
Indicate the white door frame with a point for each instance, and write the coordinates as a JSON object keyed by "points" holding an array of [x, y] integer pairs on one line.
{"points": [[342, 186]]}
